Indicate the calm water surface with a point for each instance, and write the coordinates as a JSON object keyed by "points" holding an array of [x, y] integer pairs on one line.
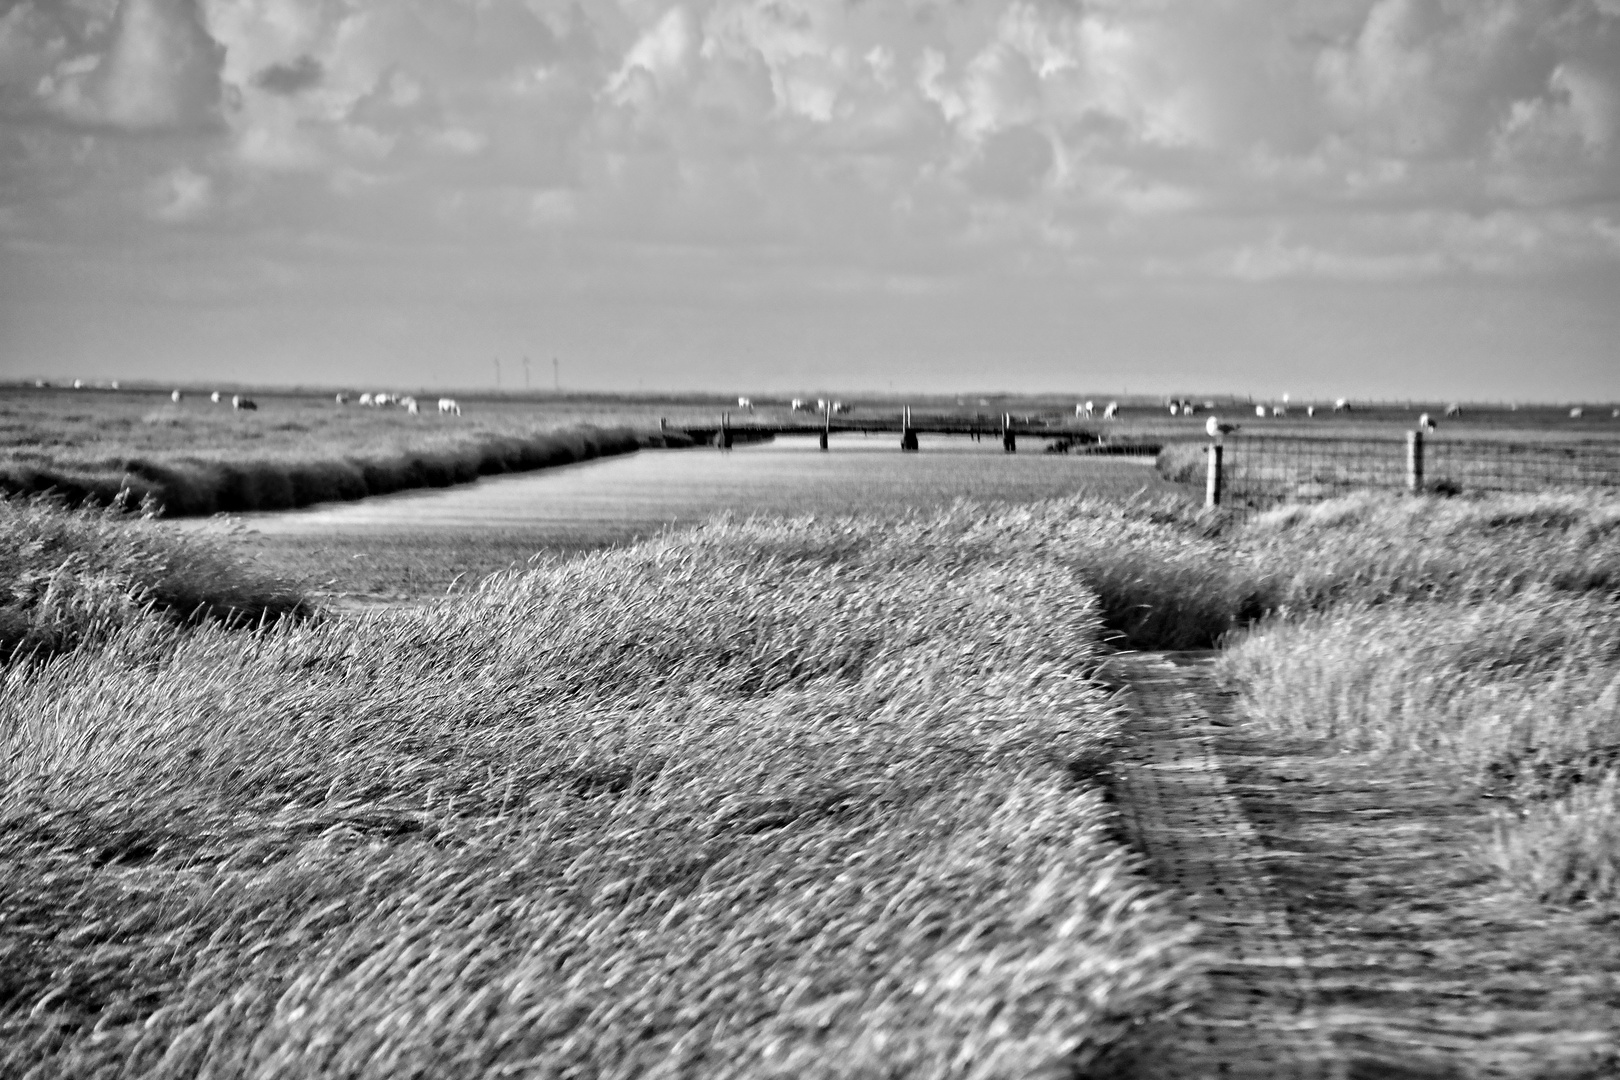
{"points": [[618, 498]]}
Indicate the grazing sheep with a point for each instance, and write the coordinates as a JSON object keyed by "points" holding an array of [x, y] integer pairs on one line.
{"points": [[1454, 409], [78, 384], [1424, 423], [1279, 410], [821, 404], [240, 402], [409, 403], [1088, 410], [745, 403], [1215, 429], [342, 399], [1576, 413], [798, 404], [1259, 410], [1175, 408], [449, 405], [365, 399], [214, 397], [176, 396], [839, 406], [113, 384], [1310, 410], [1111, 411], [1188, 408], [1342, 405]]}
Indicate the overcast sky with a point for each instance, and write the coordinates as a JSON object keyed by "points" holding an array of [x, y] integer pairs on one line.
{"points": [[1366, 197]]}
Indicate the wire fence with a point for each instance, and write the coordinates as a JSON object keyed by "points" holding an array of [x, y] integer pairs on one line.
{"points": [[1258, 471]]}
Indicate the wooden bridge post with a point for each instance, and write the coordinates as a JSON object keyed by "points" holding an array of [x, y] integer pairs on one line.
{"points": [[1414, 461], [908, 434], [1009, 442], [1212, 482]]}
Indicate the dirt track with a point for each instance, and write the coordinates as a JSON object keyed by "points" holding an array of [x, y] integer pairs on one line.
{"points": [[1354, 929]]}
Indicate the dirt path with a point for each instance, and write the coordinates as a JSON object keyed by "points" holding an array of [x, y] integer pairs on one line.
{"points": [[1353, 926]]}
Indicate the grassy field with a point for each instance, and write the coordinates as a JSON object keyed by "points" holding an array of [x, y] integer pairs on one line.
{"points": [[196, 457], [795, 798]]}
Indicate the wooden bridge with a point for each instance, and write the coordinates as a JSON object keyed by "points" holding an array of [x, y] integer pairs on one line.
{"points": [[1061, 436]]}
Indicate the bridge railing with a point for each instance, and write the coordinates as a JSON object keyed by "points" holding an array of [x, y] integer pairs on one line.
{"points": [[1259, 471]]}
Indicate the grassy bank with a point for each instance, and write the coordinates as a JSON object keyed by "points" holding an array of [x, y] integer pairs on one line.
{"points": [[1477, 639], [182, 482], [799, 798], [71, 578]]}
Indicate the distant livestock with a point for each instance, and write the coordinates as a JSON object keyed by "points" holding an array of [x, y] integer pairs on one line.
{"points": [[1188, 408], [839, 406], [1087, 409], [1175, 408], [78, 384], [1279, 410], [1576, 413], [745, 403], [1310, 410], [409, 403], [1454, 409], [1259, 410], [1342, 405], [448, 405], [798, 404], [1424, 422], [342, 399], [240, 402], [214, 397], [1215, 429], [176, 396], [113, 384], [365, 399]]}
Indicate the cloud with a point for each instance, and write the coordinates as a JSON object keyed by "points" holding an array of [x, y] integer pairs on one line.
{"points": [[181, 195], [292, 78], [160, 71]]}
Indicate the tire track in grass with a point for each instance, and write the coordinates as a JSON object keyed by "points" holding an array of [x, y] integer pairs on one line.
{"points": [[1260, 1016]]}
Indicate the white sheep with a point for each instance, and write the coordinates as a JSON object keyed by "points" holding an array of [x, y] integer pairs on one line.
{"points": [[1111, 411], [1259, 410], [745, 403], [449, 405], [409, 403], [1454, 409], [240, 402], [1342, 405], [1576, 413], [176, 396], [365, 399], [1215, 429], [1425, 423], [214, 397], [342, 399]]}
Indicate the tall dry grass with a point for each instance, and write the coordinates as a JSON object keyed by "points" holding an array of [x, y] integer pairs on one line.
{"points": [[1477, 638], [72, 577], [798, 799]]}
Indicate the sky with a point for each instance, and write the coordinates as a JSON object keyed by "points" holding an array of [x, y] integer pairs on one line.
{"points": [[1337, 197]]}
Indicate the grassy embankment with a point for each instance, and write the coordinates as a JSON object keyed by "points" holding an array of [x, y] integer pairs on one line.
{"points": [[799, 799], [199, 458]]}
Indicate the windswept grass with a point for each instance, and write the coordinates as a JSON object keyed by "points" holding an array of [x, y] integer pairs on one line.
{"points": [[185, 482], [1477, 638], [70, 577], [797, 799]]}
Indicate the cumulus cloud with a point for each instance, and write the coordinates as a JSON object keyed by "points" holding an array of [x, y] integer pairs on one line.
{"points": [[160, 71]]}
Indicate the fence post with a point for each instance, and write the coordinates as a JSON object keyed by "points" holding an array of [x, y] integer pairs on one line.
{"points": [[1212, 482], [1414, 461], [1009, 442], [908, 434], [725, 431]]}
